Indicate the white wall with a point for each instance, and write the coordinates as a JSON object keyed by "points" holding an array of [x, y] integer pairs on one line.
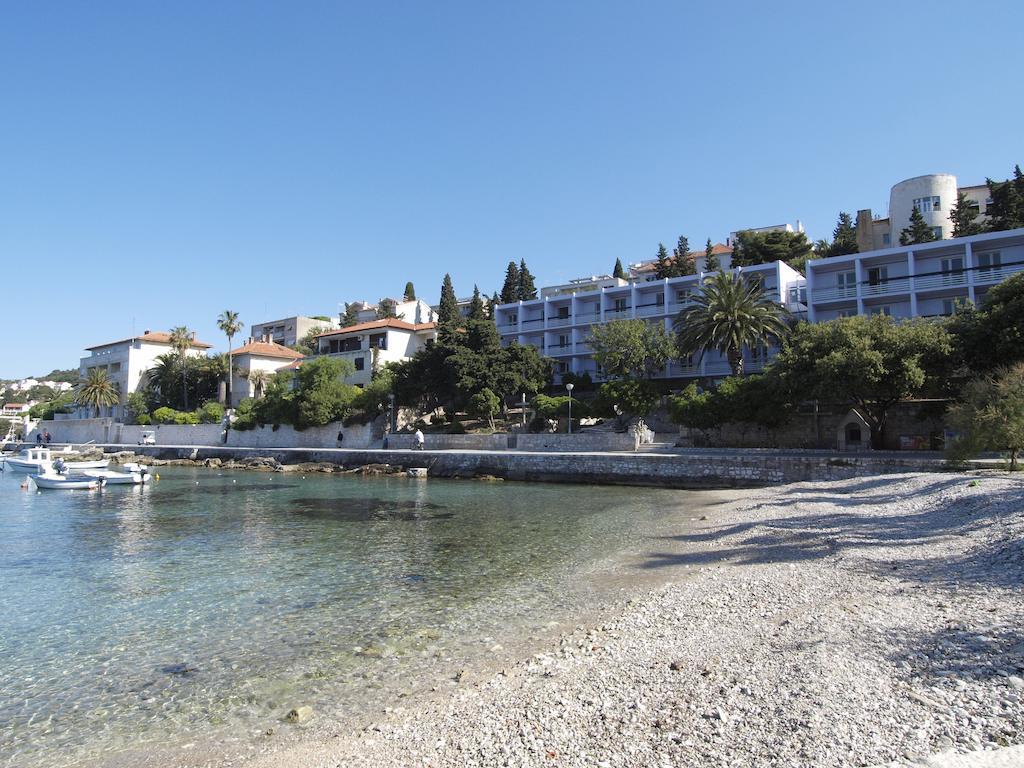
{"points": [[902, 196]]}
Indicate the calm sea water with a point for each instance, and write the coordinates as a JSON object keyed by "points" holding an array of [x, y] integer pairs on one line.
{"points": [[208, 604]]}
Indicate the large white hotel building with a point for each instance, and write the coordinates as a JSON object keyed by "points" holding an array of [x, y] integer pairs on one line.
{"points": [[903, 282]]}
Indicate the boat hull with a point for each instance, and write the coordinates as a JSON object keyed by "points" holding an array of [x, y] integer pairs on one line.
{"points": [[64, 483]]}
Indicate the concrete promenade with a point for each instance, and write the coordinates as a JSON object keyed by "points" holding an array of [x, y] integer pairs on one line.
{"points": [[658, 466]]}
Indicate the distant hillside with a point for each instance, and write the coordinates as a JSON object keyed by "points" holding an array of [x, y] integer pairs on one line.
{"points": [[70, 375]]}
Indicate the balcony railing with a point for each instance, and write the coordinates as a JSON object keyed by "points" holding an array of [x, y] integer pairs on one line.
{"points": [[533, 322], [615, 314], [834, 294], [646, 310], [996, 274], [886, 287], [559, 322], [940, 281], [559, 350]]}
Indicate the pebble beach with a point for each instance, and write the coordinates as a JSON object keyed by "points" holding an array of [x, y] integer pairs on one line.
{"points": [[872, 621]]}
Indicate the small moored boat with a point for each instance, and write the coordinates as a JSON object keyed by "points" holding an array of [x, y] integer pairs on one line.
{"points": [[132, 474], [40, 460], [53, 481]]}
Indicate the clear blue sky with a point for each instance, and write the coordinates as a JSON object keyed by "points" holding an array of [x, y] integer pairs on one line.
{"points": [[161, 162]]}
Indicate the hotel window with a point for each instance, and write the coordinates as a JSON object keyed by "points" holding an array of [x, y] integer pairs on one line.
{"points": [[937, 232], [953, 264], [563, 341], [379, 341], [563, 313], [886, 239], [846, 313], [686, 362], [620, 305], [884, 309], [948, 306], [846, 282], [989, 261], [513, 318], [360, 363], [927, 204], [115, 367], [683, 295], [759, 354], [878, 275]]}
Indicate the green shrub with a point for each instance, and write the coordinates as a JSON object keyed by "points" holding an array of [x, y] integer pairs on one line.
{"points": [[143, 419], [245, 416], [167, 415], [211, 413], [456, 428], [556, 407]]}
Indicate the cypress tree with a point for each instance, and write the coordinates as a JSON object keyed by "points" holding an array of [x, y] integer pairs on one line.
{"points": [[476, 306], [918, 232], [351, 316], [1007, 208], [448, 311], [510, 290], [844, 236], [710, 259], [684, 263], [663, 268], [963, 216], [527, 288], [410, 292], [619, 271]]}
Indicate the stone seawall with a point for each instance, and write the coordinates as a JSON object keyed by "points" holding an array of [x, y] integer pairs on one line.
{"points": [[685, 470]]}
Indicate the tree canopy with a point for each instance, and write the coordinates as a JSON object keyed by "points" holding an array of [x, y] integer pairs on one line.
{"points": [[448, 311], [1006, 211], [918, 231], [510, 289], [964, 217], [631, 348], [410, 292], [752, 248], [350, 316], [992, 335], [870, 362], [710, 259], [990, 415], [527, 288], [618, 271]]}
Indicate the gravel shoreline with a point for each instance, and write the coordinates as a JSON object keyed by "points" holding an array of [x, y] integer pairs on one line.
{"points": [[862, 622]]}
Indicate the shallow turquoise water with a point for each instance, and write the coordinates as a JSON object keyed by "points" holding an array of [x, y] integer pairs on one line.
{"points": [[211, 602]]}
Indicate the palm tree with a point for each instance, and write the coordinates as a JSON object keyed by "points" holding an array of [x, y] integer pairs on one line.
{"points": [[258, 379], [230, 324], [97, 391], [181, 342], [730, 313]]}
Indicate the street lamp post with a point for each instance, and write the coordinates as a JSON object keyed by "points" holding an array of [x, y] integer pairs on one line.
{"points": [[569, 388], [524, 410]]}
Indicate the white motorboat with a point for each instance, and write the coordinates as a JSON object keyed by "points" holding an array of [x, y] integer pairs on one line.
{"points": [[53, 481], [40, 460], [132, 474]]}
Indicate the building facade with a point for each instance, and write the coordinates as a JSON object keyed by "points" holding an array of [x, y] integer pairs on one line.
{"points": [[265, 357], [373, 344], [127, 362], [934, 195], [559, 324], [914, 280], [289, 331]]}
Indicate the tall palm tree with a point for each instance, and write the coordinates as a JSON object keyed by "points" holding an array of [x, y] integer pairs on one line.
{"points": [[181, 342], [258, 379], [230, 324], [729, 314], [97, 391]]}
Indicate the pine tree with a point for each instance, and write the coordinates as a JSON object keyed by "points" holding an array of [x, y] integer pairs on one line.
{"points": [[663, 268], [619, 271], [964, 215], [476, 306], [510, 290], [410, 292], [448, 311], [527, 288], [710, 259], [918, 232], [684, 263], [351, 315], [844, 236], [1006, 210]]}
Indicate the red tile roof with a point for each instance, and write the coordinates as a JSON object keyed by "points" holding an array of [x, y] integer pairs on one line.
{"points": [[150, 337], [390, 322], [717, 249], [268, 349], [292, 366]]}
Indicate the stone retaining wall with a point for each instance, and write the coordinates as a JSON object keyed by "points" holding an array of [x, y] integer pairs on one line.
{"points": [[687, 470]]}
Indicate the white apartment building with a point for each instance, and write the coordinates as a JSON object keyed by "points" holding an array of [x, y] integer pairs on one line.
{"points": [[913, 280], [126, 363], [289, 331], [416, 311], [934, 195], [266, 356], [558, 325], [375, 343]]}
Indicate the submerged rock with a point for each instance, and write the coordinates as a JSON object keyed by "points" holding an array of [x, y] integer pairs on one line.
{"points": [[299, 715]]}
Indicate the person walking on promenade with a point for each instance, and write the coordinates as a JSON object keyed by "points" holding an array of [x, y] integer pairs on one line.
{"points": [[419, 440]]}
